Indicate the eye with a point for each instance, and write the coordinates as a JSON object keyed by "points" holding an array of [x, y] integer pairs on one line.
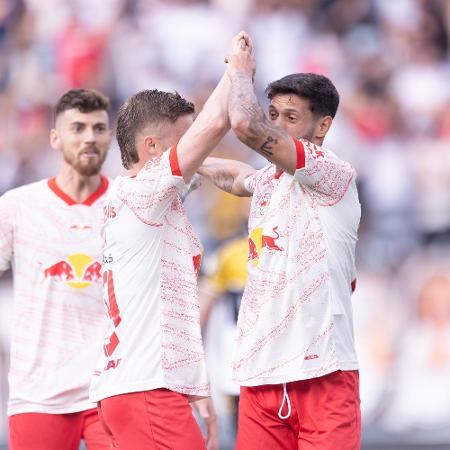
{"points": [[100, 128], [292, 118], [272, 115], [77, 128]]}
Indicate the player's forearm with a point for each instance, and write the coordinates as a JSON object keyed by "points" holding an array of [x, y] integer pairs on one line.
{"points": [[226, 174], [213, 118], [252, 126], [206, 132]]}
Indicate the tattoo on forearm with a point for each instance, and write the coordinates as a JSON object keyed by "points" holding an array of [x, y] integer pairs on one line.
{"points": [[242, 100], [267, 146], [224, 181]]}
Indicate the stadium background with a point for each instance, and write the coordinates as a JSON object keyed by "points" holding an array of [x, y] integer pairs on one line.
{"points": [[390, 62]]}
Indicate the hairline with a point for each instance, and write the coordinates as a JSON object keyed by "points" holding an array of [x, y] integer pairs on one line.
{"points": [[58, 116]]}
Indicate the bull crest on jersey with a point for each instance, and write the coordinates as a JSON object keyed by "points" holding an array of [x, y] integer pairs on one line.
{"points": [[257, 241], [78, 271]]}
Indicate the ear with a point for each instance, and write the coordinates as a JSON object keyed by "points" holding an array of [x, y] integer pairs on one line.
{"points": [[149, 145], [54, 139], [323, 125], [149, 142]]}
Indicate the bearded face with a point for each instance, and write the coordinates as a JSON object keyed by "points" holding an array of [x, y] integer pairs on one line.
{"points": [[83, 139]]}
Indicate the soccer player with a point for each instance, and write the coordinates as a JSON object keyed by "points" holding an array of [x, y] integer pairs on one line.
{"points": [[50, 235], [153, 361], [295, 358]]}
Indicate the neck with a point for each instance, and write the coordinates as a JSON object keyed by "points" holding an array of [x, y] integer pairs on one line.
{"points": [[78, 187], [143, 159], [135, 169]]}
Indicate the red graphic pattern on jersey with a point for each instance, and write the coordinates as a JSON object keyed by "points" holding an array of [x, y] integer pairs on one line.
{"points": [[286, 328], [328, 179], [154, 255], [181, 310]]}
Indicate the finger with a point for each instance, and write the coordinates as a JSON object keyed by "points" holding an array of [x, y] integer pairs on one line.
{"points": [[244, 35], [249, 42]]}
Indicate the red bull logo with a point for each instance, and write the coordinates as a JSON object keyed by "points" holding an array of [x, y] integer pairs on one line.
{"points": [[257, 240], [78, 271]]}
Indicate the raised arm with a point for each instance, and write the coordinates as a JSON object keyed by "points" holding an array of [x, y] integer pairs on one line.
{"points": [[210, 125], [228, 175], [247, 117]]}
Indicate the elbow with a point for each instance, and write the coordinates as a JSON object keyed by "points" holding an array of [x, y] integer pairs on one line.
{"points": [[240, 124], [219, 123]]}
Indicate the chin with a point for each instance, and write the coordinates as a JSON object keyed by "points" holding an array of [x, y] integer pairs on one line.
{"points": [[88, 171]]}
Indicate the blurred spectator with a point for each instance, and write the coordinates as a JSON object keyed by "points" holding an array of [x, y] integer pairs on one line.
{"points": [[421, 394]]}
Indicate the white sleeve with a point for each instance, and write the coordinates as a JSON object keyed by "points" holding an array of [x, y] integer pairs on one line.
{"points": [[322, 172], [155, 188], [6, 231]]}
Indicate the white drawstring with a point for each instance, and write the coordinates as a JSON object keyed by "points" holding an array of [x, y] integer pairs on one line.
{"points": [[285, 399]]}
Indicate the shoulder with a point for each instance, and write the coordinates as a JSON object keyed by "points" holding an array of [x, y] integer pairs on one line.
{"points": [[37, 188]]}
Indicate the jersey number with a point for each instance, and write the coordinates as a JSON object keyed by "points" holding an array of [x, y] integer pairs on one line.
{"points": [[113, 311]]}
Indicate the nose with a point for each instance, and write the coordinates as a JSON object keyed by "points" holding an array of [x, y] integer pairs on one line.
{"points": [[89, 135]]}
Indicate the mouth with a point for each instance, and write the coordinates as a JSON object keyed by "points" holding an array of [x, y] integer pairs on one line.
{"points": [[90, 153]]}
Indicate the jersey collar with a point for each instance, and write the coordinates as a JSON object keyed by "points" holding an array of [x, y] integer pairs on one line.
{"points": [[70, 201]]}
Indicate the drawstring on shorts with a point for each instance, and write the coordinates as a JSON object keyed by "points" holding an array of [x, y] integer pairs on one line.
{"points": [[285, 400]]}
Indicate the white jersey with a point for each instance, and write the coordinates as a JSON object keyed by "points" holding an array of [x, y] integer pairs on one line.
{"points": [[295, 320], [151, 259], [54, 247]]}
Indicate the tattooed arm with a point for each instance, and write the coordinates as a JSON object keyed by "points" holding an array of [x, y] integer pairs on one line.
{"points": [[247, 117], [228, 175]]}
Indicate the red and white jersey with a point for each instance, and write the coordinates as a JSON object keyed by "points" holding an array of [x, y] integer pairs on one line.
{"points": [[151, 258], [295, 320], [54, 247]]}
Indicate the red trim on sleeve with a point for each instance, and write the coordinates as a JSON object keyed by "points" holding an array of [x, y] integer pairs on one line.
{"points": [[301, 160], [353, 285], [70, 201], [173, 159]]}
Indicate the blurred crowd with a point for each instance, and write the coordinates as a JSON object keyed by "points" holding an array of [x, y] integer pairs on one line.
{"points": [[390, 62]]}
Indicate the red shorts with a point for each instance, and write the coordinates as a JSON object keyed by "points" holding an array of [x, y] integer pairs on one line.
{"points": [[39, 431], [324, 415], [159, 419]]}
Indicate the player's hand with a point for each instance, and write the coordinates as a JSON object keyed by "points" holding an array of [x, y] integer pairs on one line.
{"points": [[205, 410], [240, 56]]}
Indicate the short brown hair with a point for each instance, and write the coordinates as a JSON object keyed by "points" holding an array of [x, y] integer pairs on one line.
{"points": [[85, 100], [149, 107]]}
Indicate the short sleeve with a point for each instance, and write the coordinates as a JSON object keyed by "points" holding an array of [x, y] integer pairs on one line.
{"points": [[6, 231], [157, 185], [322, 172]]}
